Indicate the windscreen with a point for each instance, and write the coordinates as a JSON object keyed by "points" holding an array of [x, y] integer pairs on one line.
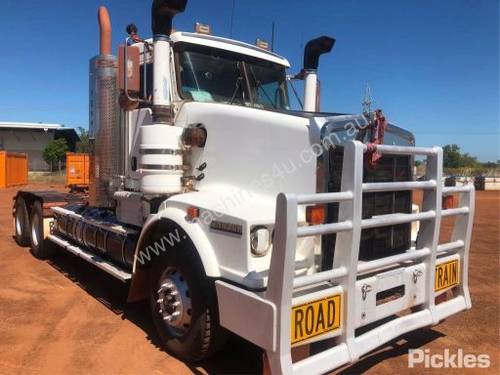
{"points": [[208, 74]]}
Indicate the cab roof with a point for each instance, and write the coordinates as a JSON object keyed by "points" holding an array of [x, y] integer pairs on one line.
{"points": [[229, 45]]}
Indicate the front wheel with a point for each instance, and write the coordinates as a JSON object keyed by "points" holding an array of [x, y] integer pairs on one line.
{"points": [[184, 308]]}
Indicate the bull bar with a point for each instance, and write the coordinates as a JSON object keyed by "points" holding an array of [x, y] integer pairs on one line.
{"points": [[264, 318]]}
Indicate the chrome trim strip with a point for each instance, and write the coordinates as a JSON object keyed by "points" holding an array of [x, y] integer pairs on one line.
{"points": [[160, 151], [162, 167]]}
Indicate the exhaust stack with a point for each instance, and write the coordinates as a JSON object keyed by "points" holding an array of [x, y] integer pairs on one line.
{"points": [[104, 130], [162, 14], [104, 31], [314, 49]]}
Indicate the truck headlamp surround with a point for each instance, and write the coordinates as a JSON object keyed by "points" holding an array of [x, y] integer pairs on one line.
{"points": [[260, 241]]}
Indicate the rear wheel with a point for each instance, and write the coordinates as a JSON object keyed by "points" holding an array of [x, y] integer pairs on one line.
{"points": [[22, 223], [184, 307], [40, 247]]}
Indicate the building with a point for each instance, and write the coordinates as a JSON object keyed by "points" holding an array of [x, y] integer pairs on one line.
{"points": [[32, 138]]}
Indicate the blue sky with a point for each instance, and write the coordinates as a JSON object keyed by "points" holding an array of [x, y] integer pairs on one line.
{"points": [[433, 66]]}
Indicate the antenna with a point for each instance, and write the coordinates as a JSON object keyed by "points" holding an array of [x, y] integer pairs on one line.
{"points": [[232, 19], [272, 36], [367, 102]]}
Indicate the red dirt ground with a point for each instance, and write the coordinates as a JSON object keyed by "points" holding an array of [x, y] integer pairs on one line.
{"points": [[63, 316]]}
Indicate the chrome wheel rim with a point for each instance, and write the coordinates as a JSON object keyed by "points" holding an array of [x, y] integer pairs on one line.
{"points": [[174, 302]]}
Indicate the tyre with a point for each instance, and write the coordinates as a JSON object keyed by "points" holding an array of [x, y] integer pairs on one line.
{"points": [[40, 247], [22, 223], [184, 307]]}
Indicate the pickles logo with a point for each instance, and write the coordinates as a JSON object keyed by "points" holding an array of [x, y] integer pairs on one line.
{"points": [[447, 359]]}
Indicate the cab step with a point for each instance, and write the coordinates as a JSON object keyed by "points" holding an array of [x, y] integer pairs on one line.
{"points": [[92, 258]]}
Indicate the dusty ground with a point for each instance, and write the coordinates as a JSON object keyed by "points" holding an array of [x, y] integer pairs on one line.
{"points": [[65, 317]]}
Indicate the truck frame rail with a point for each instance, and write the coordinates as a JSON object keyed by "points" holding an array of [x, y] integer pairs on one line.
{"points": [[264, 318]]}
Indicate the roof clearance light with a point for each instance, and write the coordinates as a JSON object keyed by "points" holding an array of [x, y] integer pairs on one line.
{"points": [[203, 29], [262, 44]]}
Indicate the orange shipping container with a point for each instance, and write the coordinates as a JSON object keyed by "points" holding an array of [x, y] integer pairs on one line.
{"points": [[77, 170], [13, 169]]}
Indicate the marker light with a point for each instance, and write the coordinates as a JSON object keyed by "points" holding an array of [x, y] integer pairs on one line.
{"points": [[262, 44], [192, 213], [203, 29], [315, 215]]}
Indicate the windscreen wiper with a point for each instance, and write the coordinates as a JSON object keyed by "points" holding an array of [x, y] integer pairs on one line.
{"points": [[258, 86], [238, 86]]}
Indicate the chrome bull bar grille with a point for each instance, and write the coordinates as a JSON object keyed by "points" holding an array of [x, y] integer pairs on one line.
{"points": [[375, 242], [265, 318]]}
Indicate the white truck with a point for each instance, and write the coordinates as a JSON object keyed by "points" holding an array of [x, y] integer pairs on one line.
{"points": [[231, 212]]}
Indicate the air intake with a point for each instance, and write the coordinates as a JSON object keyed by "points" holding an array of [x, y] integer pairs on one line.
{"points": [[162, 14], [314, 49]]}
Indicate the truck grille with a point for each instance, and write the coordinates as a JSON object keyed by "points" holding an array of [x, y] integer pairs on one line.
{"points": [[376, 242]]}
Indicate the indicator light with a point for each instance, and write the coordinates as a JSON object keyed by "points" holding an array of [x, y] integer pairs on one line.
{"points": [[315, 215]]}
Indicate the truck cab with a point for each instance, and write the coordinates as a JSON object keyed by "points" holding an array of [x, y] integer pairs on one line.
{"points": [[254, 147], [230, 211]]}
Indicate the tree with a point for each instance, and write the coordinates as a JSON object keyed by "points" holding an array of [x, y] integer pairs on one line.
{"points": [[83, 145], [453, 158], [55, 152], [469, 160]]}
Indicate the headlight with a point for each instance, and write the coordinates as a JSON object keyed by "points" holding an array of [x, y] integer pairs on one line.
{"points": [[260, 241]]}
